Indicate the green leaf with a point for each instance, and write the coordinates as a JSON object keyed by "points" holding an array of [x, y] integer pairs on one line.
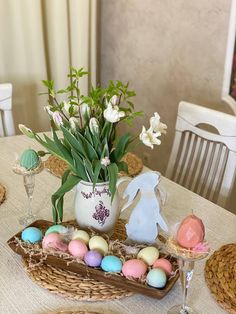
{"points": [[97, 170], [68, 182], [90, 151], [76, 143], [113, 175], [64, 151], [78, 161], [120, 148], [88, 169]]}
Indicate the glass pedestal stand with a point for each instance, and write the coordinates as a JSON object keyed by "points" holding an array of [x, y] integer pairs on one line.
{"points": [[186, 259], [29, 183], [186, 273]]}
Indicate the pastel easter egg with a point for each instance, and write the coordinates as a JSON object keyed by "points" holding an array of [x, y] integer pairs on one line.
{"points": [[54, 241], [29, 159], [56, 229], [32, 235], [148, 255], [111, 263], [81, 235], [99, 244], [77, 248], [156, 278], [134, 268], [93, 258], [163, 264], [190, 232]]}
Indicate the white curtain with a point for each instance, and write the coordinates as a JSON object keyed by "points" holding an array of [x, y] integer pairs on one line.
{"points": [[41, 39]]}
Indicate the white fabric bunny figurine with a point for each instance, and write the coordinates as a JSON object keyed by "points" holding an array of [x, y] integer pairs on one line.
{"points": [[145, 216]]}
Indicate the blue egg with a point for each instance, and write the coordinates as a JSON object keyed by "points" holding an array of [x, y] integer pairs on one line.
{"points": [[57, 229], [32, 235], [111, 263], [156, 278]]}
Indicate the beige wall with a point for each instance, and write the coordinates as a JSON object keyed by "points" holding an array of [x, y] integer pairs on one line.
{"points": [[169, 50]]}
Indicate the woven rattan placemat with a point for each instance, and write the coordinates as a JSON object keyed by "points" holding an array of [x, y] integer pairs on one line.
{"points": [[57, 166], [2, 193], [220, 276], [72, 285]]}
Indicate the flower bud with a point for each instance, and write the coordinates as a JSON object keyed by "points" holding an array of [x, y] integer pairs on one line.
{"points": [[26, 131], [93, 125]]}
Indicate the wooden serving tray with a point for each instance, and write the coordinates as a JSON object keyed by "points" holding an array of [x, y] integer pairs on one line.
{"points": [[89, 272]]}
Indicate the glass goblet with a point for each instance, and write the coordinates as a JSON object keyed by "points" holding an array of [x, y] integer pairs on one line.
{"points": [[186, 259], [29, 183]]}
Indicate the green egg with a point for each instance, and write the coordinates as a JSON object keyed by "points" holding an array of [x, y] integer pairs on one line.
{"points": [[29, 159], [57, 229]]}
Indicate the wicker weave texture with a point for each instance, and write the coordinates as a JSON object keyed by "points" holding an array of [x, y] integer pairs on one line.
{"points": [[2, 193], [57, 166], [220, 275]]}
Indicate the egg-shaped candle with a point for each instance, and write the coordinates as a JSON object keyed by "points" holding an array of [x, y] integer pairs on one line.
{"points": [[29, 159], [190, 232]]}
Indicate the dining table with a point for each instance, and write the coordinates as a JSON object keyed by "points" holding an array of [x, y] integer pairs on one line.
{"points": [[19, 294]]}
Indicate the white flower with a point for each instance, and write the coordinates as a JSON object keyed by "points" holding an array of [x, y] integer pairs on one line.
{"points": [[105, 161], [57, 118], [73, 123], [113, 114], [48, 110], [26, 131], [114, 100], [149, 138], [93, 125], [156, 125], [84, 111]]}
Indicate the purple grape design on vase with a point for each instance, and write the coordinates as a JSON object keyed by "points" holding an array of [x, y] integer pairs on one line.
{"points": [[101, 214]]}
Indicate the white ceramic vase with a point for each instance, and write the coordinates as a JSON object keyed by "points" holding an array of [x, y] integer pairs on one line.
{"points": [[94, 209]]}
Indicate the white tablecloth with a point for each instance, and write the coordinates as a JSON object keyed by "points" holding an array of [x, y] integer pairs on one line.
{"points": [[18, 294]]}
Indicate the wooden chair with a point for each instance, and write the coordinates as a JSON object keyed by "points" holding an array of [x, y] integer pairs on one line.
{"points": [[6, 118], [202, 161]]}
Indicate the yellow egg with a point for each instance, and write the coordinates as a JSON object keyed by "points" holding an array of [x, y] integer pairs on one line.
{"points": [[81, 235], [149, 255], [99, 244]]}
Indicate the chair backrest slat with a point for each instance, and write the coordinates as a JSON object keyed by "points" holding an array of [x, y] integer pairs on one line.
{"points": [[6, 122], [202, 161]]}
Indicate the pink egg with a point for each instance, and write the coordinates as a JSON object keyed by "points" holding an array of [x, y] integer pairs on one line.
{"points": [[77, 248], [134, 268], [164, 264], [191, 232], [55, 242]]}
